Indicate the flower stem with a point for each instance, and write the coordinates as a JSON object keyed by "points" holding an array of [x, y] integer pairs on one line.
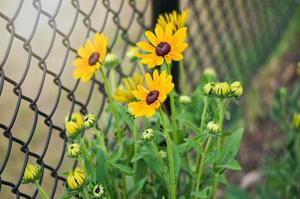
{"points": [[173, 114], [172, 186], [158, 157], [221, 115], [201, 164], [100, 139], [111, 102], [201, 128], [136, 138], [181, 69], [41, 190], [85, 194]]}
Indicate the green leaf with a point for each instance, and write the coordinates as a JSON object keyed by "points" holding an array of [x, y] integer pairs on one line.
{"points": [[176, 159], [87, 160], [231, 145], [102, 174], [141, 155], [122, 168], [136, 189], [205, 193], [232, 164]]}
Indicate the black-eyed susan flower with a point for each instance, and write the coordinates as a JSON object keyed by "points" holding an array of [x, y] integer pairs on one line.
{"points": [[32, 173], [296, 120], [213, 127], [148, 134], [75, 179], [89, 121], [74, 126], [98, 191], [91, 56], [123, 92], [184, 99], [177, 20], [208, 88], [111, 61], [150, 100], [164, 45], [222, 89], [73, 150], [236, 89]]}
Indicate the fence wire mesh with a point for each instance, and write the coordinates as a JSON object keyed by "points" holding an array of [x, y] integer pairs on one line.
{"points": [[38, 44]]}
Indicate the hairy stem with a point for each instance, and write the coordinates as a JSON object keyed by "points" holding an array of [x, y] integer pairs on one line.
{"points": [[41, 190]]}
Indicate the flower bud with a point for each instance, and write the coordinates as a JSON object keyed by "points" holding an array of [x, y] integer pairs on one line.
{"points": [[208, 88], [111, 61], [162, 154], [296, 120], [73, 150], [210, 72], [236, 89], [148, 134], [32, 173], [75, 126], [183, 99], [98, 191], [213, 127], [131, 54], [89, 121], [222, 89], [75, 179]]}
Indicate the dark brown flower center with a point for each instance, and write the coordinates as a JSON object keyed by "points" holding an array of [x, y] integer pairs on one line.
{"points": [[162, 49], [97, 190], [152, 97], [94, 58]]}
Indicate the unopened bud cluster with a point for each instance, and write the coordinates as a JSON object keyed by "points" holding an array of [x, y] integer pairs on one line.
{"points": [[148, 134], [213, 127], [223, 89]]}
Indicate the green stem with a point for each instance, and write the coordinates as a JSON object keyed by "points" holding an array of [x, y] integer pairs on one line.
{"points": [[85, 194], [181, 70], [172, 186], [158, 157], [124, 186], [201, 129], [201, 165], [112, 103], [136, 139], [100, 139], [41, 190], [173, 112], [219, 139]]}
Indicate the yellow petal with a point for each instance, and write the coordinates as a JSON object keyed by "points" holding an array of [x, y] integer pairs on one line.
{"points": [[152, 38], [159, 33], [149, 81], [168, 33], [145, 46], [179, 36], [141, 93], [176, 56]]}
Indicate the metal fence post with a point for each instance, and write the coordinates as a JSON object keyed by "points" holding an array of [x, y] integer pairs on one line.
{"points": [[160, 7]]}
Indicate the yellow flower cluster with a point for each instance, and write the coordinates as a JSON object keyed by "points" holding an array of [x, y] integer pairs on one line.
{"points": [[223, 89], [177, 20]]}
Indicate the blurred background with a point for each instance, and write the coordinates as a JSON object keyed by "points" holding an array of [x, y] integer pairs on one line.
{"points": [[254, 42]]}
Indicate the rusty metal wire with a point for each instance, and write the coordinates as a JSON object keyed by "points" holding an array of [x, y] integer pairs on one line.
{"points": [[233, 36]]}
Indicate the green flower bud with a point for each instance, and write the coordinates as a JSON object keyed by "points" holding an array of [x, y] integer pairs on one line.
{"points": [[222, 89], [32, 173], [236, 89], [131, 54], [162, 154], [89, 121], [148, 134], [210, 72], [73, 150], [74, 126], [183, 99], [111, 61], [98, 191], [75, 179], [213, 127], [208, 88], [296, 120]]}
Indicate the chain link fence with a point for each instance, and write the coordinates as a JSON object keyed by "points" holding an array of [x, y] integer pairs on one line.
{"points": [[38, 44]]}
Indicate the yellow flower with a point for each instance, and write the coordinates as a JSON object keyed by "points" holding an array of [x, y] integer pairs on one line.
{"points": [[32, 173], [164, 46], [149, 100], [222, 89], [73, 150], [75, 179], [296, 120], [208, 88], [178, 20], [74, 127], [91, 56], [123, 92], [236, 89]]}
